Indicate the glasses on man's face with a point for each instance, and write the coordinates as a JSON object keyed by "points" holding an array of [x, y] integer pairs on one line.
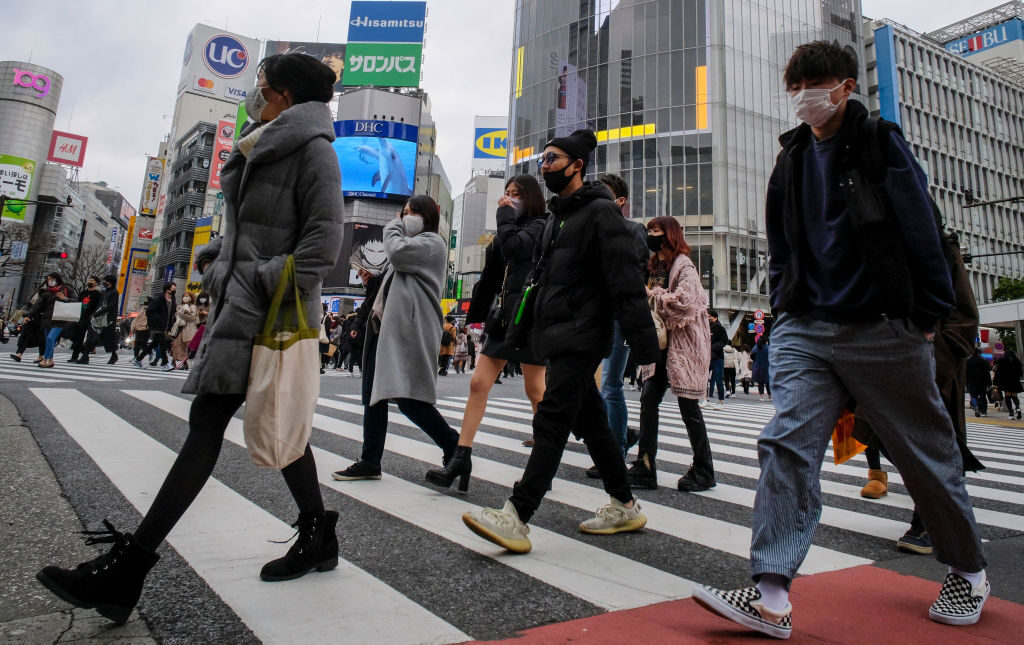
{"points": [[549, 159]]}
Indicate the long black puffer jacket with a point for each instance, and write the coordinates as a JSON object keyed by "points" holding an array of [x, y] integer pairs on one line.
{"points": [[591, 278]]}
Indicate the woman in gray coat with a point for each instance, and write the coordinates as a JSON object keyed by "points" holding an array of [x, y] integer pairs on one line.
{"points": [[282, 188], [402, 337]]}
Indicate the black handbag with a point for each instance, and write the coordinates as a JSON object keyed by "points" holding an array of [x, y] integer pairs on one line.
{"points": [[494, 325], [523, 315]]}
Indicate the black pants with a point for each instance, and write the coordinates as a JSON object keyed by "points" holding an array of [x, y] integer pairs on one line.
{"points": [[443, 360], [689, 409], [730, 380], [141, 341], [571, 402], [157, 341], [375, 417], [30, 337], [207, 421], [108, 335]]}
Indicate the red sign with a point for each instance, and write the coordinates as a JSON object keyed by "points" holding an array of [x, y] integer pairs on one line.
{"points": [[67, 149], [758, 315], [221, 151], [145, 233]]}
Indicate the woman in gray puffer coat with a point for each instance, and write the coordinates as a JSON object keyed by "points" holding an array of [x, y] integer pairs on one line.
{"points": [[282, 188]]}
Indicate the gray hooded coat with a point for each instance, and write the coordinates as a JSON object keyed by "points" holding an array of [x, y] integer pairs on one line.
{"points": [[410, 330], [284, 199]]}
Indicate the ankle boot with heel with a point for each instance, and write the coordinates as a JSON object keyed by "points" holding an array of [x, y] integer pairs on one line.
{"points": [[460, 465]]}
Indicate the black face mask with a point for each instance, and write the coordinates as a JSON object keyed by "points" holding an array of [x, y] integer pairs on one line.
{"points": [[655, 242], [556, 180]]}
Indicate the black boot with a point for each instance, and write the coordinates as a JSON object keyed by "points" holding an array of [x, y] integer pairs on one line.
{"points": [[112, 583], [84, 360], [74, 357], [459, 466], [315, 548], [113, 358], [643, 473]]}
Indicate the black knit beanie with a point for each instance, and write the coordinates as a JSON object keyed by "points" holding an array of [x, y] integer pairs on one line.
{"points": [[577, 145]]}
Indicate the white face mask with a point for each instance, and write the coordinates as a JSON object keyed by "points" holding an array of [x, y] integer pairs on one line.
{"points": [[814, 106], [255, 103], [413, 225], [51, 283]]}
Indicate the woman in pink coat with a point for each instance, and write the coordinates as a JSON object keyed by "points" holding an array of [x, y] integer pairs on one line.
{"points": [[678, 298]]}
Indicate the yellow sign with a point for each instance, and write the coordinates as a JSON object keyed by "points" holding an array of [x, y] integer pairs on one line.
{"points": [[201, 237], [447, 305]]}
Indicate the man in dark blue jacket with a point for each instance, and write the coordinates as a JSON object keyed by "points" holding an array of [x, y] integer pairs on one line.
{"points": [[858, 282]]}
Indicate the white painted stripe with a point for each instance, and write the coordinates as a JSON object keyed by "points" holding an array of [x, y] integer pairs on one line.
{"points": [[84, 372], [895, 500], [602, 578], [43, 373], [224, 538], [712, 533], [30, 379]]}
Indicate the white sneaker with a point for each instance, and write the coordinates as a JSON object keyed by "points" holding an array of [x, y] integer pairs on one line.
{"points": [[744, 606], [719, 406], [960, 602], [615, 518], [503, 527], [703, 403], [762, 398]]}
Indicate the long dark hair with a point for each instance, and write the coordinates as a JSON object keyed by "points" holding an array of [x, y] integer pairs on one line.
{"points": [[425, 207], [56, 277], [530, 193], [674, 240], [305, 77]]}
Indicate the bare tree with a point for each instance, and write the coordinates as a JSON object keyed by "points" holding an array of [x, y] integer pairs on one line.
{"points": [[75, 271]]}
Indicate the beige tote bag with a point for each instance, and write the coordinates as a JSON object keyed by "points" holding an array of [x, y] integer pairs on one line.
{"points": [[284, 382]]}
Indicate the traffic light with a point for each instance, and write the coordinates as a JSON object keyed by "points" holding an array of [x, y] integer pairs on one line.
{"points": [[57, 255]]}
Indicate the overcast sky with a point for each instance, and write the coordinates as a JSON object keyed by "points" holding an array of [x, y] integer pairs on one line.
{"points": [[121, 61]]}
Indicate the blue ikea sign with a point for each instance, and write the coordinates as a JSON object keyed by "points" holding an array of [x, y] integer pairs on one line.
{"points": [[490, 143], [387, 22]]}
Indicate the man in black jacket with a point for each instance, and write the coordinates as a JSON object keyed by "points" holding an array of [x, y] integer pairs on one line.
{"points": [[588, 277], [160, 313], [979, 380], [91, 298], [719, 339], [107, 332], [859, 279]]}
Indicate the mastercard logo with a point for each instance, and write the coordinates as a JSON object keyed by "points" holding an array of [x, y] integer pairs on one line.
{"points": [[205, 83]]}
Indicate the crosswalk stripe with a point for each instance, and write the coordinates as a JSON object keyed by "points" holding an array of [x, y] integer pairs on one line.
{"points": [[718, 448], [31, 379], [896, 500], [46, 375], [710, 532], [347, 601], [602, 578]]}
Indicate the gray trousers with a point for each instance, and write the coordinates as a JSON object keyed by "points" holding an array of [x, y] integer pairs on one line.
{"points": [[889, 366]]}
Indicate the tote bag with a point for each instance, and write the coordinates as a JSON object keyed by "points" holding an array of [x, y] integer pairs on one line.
{"points": [[66, 311], [284, 382]]}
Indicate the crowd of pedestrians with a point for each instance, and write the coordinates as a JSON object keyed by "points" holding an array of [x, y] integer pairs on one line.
{"points": [[868, 297]]}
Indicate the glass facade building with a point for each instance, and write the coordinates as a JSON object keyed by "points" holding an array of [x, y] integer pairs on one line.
{"points": [[965, 124], [687, 101]]}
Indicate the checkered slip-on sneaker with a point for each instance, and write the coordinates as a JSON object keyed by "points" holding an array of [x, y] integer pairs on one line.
{"points": [[959, 602], [744, 606]]}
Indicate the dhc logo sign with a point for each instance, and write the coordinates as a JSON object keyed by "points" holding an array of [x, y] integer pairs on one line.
{"points": [[490, 144], [226, 56], [369, 127]]}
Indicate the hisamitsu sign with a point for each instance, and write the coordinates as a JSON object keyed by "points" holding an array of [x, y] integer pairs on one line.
{"points": [[387, 22], [998, 35]]}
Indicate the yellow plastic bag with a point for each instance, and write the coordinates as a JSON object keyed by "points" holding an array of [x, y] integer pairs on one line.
{"points": [[844, 446]]}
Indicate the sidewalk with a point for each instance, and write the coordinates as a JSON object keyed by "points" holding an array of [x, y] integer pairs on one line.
{"points": [[44, 530]]}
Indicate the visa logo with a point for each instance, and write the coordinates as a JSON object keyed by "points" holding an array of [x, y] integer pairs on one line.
{"points": [[235, 92], [492, 143]]}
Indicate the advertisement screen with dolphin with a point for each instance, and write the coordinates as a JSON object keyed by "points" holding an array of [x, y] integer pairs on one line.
{"points": [[377, 158]]}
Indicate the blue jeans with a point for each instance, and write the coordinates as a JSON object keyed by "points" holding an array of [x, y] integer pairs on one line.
{"points": [[612, 369], [889, 367], [717, 378], [51, 340]]}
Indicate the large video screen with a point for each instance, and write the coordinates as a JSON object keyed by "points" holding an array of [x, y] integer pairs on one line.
{"points": [[377, 158]]}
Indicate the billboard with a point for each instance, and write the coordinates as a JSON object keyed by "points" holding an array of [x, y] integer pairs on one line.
{"points": [[200, 238], [224, 139], [67, 149], [387, 22], [218, 64], [331, 54], [490, 143], [988, 39], [16, 175], [570, 100], [383, 64], [367, 244], [377, 158], [151, 186]]}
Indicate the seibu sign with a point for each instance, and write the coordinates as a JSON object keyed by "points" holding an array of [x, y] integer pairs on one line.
{"points": [[998, 35]]}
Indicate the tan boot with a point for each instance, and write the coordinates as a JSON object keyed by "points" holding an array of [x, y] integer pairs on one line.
{"points": [[877, 486]]}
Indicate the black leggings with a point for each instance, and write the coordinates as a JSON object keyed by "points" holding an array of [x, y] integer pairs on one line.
{"points": [[207, 421], [1010, 400]]}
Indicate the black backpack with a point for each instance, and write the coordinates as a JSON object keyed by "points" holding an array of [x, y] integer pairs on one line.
{"points": [[446, 338]]}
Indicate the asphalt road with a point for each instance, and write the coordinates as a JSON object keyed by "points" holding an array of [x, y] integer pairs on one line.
{"points": [[411, 572]]}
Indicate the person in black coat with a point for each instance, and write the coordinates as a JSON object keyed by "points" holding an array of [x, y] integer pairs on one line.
{"points": [[719, 339], [978, 381], [160, 316], [587, 277], [35, 324], [1008, 375], [91, 300], [107, 332]]}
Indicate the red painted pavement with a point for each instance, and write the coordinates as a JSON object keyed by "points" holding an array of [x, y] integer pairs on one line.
{"points": [[863, 605]]}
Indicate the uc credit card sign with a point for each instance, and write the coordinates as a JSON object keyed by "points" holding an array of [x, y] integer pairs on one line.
{"points": [[387, 22]]}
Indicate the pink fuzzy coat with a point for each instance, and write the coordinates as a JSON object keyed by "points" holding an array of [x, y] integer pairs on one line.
{"points": [[683, 307]]}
